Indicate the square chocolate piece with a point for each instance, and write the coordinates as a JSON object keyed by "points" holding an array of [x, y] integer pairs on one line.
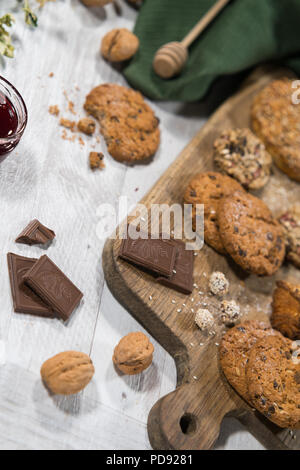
{"points": [[24, 299], [182, 276], [53, 286], [157, 256]]}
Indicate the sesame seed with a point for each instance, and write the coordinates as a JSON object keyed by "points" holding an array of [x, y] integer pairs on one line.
{"points": [[173, 301], [195, 377], [150, 297], [179, 310]]}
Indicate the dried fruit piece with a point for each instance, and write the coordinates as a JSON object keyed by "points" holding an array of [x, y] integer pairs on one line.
{"points": [[67, 373]]}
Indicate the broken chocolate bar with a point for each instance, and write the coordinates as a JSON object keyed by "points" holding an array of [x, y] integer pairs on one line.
{"points": [[35, 234], [24, 299], [182, 277], [53, 286], [157, 256]]}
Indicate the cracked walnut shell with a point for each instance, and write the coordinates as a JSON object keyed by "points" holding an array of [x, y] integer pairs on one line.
{"points": [[67, 373], [286, 309], [133, 354]]}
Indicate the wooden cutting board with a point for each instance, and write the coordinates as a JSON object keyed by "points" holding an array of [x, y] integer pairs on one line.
{"points": [[190, 417]]}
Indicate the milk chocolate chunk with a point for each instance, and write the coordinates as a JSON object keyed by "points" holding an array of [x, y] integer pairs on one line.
{"points": [[24, 299], [54, 287], [181, 279], [35, 234], [157, 256]]}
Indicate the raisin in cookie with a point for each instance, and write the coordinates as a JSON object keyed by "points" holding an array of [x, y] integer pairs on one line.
{"points": [[250, 234], [240, 154], [209, 189], [286, 309], [235, 350], [273, 378], [128, 124], [275, 120], [290, 222], [119, 44]]}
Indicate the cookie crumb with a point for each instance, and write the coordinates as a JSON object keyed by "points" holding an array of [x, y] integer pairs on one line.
{"points": [[54, 110], [218, 283], [96, 160], [204, 319], [230, 312], [67, 124], [87, 126]]}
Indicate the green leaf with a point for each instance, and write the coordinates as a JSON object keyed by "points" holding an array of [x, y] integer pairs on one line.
{"points": [[6, 47], [30, 17]]}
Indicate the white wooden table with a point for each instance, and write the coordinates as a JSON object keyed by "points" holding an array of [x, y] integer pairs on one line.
{"points": [[48, 178]]}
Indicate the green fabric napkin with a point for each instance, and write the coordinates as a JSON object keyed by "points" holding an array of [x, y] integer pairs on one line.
{"points": [[246, 33]]}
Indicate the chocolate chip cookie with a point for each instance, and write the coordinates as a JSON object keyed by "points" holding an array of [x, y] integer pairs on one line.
{"points": [[286, 309], [209, 189], [128, 124], [250, 234], [273, 378], [275, 120], [290, 222], [235, 350], [240, 154], [119, 45]]}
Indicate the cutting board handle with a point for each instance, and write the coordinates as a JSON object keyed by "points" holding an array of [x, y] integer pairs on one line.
{"points": [[174, 421]]}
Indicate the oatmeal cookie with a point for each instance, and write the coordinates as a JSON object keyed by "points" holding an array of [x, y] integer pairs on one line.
{"points": [[235, 349], [240, 154], [290, 222], [273, 380], [275, 120], [250, 234], [128, 124], [119, 44], [209, 189], [133, 354], [286, 309]]}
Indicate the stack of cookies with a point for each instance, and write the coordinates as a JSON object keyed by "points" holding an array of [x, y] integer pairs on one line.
{"points": [[237, 223], [263, 367]]}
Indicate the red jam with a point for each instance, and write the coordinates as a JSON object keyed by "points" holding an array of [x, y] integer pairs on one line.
{"points": [[8, 118]]}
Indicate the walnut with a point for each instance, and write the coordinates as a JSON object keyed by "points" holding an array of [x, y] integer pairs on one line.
{"points": [[119, 45], [133, 354], [286, 309], [87, 126], [68, 372]]}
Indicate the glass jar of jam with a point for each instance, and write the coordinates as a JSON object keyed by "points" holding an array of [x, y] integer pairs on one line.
{"points": [[13, 116]]}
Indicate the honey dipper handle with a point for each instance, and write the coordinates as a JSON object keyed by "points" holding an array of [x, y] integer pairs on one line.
{"points": [[204, 22]]}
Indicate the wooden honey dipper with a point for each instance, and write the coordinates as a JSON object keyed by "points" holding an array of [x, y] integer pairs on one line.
{"points": [[171, 58]]}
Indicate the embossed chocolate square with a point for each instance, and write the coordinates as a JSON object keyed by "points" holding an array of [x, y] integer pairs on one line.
{"points": [[24, 299], [35, 234], [157, 256], [54, 287], [182, 276]]}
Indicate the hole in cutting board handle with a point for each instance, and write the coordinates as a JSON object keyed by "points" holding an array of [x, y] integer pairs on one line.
{"points": [[188, 424]]}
